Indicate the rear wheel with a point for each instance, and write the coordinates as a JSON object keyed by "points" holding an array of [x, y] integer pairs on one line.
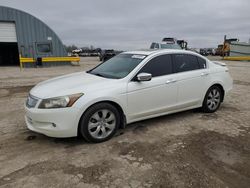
{"points": [[212, 99], [100, 122]]}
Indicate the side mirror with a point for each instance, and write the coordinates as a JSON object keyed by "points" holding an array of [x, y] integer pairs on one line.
{"points": [[144, 77]]}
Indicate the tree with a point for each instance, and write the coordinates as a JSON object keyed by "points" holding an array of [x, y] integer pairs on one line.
{"points": [[70, 48]]}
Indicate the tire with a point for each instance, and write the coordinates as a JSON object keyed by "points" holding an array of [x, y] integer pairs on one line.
{"points": [[212, 99], [99, 123]]}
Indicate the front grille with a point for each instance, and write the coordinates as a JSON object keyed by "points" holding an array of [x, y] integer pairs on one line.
{"points": [[31, 101]]}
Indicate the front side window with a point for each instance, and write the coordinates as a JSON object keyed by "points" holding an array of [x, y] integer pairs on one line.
{"points": [[157, 46], [158, 66], [118, 66], [152, 46], [185, 62]]}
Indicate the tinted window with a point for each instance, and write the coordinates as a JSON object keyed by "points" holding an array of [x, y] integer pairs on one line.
{"points": [[202, 63], [170, 46], [152, 46], [185, 62], [157, 45], [161, 65]]}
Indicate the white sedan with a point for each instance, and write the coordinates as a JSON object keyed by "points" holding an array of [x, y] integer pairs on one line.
{"points": [[130, 87]]}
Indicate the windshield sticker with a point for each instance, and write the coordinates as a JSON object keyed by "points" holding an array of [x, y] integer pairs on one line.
{"points": [[138, 56]]}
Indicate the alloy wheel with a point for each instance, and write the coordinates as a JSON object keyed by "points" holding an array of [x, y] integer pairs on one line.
{"points": [[101, 124], [213, 99]]}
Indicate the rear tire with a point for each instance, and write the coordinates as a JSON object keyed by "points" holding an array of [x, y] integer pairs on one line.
{"points": [[99, 123], [212, 99]]}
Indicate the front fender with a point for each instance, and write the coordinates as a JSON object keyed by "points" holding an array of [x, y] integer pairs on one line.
{"points": [[84, 103]]}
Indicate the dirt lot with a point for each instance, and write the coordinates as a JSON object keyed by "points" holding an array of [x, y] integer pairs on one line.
{"points": [[188, 149]]}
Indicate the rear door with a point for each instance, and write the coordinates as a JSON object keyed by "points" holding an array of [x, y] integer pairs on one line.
{"points": [[155, 96], [192, 75]]}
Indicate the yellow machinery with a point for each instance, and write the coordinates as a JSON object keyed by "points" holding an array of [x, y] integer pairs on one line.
{"points": [[233, 50]]}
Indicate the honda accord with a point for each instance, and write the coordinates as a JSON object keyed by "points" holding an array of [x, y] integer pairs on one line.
{"points": [[129, 87]]}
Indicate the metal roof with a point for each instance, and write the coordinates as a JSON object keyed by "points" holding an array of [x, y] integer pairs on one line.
{"points": [[30, 31]]}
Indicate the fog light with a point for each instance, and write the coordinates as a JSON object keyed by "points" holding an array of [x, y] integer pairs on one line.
{"points": [[53, 124]]}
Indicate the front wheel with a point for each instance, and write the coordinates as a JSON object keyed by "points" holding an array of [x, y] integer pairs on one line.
{"points": [[212, 99], [100, 122]]}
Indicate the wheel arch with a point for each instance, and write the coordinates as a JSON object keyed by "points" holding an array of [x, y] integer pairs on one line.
{"points": [[116, 105]]}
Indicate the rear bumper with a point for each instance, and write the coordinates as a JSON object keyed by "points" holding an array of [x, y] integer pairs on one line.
{"points": [[58, 123]]}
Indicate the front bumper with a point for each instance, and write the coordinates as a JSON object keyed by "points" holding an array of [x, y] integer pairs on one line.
{"points": [[60, 123]]}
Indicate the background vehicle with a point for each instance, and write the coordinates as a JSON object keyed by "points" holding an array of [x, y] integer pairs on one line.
{"points": [[169, 43], [203, 52], [130, 87], [226, 45], [76, 51], [207, 51], [156, 45], [182, 43], [196, 50], [210, 51], [219, 50], [105, 55]]}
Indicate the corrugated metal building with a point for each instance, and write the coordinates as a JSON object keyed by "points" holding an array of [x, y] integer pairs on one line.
{"points": [[23, 34], [239, 49]]}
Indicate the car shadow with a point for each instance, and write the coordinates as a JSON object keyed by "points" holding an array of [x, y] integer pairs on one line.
{"points": [[31, 136], [143, 125], [136, 127]]}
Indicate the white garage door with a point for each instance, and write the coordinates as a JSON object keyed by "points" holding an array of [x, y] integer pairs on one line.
{"points": [[7, 32]]}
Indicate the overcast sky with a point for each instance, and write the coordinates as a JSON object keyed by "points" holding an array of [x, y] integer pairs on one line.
{"points": [[134, 24]]}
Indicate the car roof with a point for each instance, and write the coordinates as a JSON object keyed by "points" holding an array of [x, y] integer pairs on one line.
{"points": [[164, 43], [149, 52], [141, 52], [157, 51]]}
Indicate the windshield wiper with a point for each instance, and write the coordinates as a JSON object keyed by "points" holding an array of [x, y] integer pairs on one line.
{"points": [[97, 74], [102, 75]]}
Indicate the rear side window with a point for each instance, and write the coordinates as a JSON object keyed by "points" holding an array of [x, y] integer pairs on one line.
{"points": [[202, 63], [185, 62], [159, 66]]}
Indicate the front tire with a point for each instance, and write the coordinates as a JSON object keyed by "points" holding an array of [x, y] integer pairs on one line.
{"points": [[212, 99], [100, 122]]}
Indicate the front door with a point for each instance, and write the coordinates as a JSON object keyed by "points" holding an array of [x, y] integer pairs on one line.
{"points": [[157, 96]]}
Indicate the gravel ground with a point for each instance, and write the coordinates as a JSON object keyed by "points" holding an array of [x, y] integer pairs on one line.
{"points": [[187, 149]]}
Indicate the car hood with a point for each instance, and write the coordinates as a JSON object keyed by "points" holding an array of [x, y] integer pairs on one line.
{"points": [[69, 84]]}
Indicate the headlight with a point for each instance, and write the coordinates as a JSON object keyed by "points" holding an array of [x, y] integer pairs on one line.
{"points": [[60, 102]]}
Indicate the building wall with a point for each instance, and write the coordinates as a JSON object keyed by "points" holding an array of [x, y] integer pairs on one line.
{"points": [[30, 31], [239, 49]]}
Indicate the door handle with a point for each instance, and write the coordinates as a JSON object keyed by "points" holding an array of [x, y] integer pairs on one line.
{"points": [[204, 73], [170, 81]]}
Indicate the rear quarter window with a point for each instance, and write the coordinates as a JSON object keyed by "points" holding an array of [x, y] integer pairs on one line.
{"points": [[202, 63]]}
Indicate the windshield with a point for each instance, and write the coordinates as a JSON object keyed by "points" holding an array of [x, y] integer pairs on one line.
{"points": [[170, 46], [118, 66]]}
